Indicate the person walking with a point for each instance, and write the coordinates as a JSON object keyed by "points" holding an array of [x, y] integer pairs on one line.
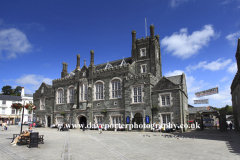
{"points": [[34, 124], [100, 128], [3, 126]]}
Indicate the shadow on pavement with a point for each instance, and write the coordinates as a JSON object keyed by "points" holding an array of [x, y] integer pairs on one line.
{"points": [[231, 137]]}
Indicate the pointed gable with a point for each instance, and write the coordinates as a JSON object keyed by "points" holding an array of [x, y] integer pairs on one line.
{"points": [[108, 66], [123, 62], [164, 83]]}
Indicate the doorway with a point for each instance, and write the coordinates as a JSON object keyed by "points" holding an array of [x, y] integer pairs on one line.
{"points": [[49, 121], [138, 120], [82, 120]]}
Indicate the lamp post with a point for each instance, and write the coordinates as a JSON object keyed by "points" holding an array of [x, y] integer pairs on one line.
{"points": [[22, 117]]}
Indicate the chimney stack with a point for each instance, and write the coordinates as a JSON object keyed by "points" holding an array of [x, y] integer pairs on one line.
{"points": [[22, 92], [78, 62], [92, 57], [133, 39]]}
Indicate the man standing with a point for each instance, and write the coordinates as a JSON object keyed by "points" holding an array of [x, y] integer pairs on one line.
{"points": [[83, 125]]}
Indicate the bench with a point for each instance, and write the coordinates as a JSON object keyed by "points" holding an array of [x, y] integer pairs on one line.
{"points": [[25, 139]]}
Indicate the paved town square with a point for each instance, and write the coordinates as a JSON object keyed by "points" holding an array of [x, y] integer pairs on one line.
{"points": [[76, 144]]}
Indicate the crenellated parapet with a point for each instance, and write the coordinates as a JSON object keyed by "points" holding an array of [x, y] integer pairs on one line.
{"points": [[143, 76], [112, 69], [65, 79]]}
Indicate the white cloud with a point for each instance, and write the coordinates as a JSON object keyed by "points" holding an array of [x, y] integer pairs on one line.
{"points": [[224, 79], [32, 82], [13, 42], [232, 68], [192, 84], [184, 46], [174, 73], [175, 3], [213, 66], [220, 99], [33, 79], [225, 2], [222, 95], [233, 38]]}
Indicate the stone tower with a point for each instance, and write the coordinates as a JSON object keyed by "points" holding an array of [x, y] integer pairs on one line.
{"points": [[146, 51]]}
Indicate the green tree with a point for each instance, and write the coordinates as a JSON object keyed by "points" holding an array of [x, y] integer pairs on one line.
{"points": [[228, 110], [17, 91], [7, 90]]}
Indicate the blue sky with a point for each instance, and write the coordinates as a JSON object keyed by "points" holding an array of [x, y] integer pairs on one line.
{"points": [[198, 37]]}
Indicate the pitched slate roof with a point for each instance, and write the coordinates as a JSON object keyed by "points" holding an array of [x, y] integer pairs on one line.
{"points": [[175, 79], [114, 63], [11, 98], [49, 86]]}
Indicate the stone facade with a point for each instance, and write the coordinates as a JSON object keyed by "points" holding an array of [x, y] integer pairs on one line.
{"points": [[110, 93], [235, 91]]}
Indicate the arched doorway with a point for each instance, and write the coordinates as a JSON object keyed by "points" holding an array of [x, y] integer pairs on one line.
{"points": [[82, 120], [49, 121], [138, 119]]}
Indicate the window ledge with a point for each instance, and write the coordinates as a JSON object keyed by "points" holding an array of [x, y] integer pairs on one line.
{"points": [[99, 100], [166, 106], [138, 103], [115, 98]]}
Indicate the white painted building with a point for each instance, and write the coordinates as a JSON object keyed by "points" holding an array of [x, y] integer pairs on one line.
{"points": [[11, 116]]}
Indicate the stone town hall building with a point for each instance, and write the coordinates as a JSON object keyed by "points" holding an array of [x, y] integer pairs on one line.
{"points": [[116, 91]]}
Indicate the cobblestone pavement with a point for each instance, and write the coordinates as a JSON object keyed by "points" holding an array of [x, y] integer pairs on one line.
{"points": [[110, 145]]}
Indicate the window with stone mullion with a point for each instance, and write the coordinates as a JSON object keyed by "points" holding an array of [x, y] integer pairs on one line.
{"points": [[137, 94], [60, 96], [166, 100], [116, 120], [166, 118], [99, 91], [81, 93], [99, 120], [42, 104], [116, 89], [71, 95], [85, 92]]}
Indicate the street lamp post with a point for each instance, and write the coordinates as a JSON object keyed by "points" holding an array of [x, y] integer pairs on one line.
{"points": [[22, 117]]}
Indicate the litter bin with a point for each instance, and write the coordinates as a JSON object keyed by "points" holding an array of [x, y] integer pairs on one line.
{"points": [[33, 140]]}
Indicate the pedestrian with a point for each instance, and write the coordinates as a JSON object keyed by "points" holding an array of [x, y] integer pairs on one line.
{"points": [[83, 126], [3, 126], [230, 126], [177, 127], [19, 124], [34, 125], [100, 128]]}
